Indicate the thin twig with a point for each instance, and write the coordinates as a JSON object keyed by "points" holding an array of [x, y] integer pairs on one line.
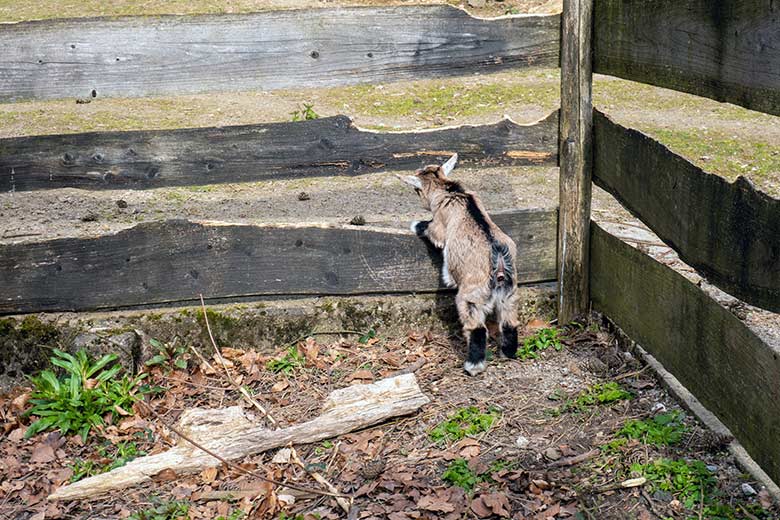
{"points": [[325, 333], [346, 505], [631, 374], [233, 382], [236, 466], [570, 461]]}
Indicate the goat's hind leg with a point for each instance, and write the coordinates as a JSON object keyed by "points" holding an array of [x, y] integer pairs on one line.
{"points": [[472, 317], [506, 312]]}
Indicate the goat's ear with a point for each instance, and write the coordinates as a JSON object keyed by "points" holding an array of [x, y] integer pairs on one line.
{"points": [[449, 165], [412, 180]]}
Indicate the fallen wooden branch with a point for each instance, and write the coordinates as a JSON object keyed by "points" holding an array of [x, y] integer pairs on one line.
{"points": [[570, 461], [229, 433]]}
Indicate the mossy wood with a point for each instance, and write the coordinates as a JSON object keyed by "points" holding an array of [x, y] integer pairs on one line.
{"points": [[719, 359], [196, 156], [143, 56], [728, 231], [728, 50], [175, 260]]}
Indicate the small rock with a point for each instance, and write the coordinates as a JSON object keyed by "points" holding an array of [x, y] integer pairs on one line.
{"points": [[552, 453], [477, 3], [358, 221], [85, 340], [712, 468], [303, 196], [658, 408], [121, 203], [522, 442], [748, 490], [663, 496], [89, 217], [437, 120]]}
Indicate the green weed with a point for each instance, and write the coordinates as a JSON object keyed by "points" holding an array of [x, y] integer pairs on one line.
{"points": [[167, 354], [305, 113], [662, 430], [119, 455], [235, 515], [292, 360], [690, 482], [542, 340], [459, 474], [466, 421], [598, 394], [77, 401], [163, 510]]}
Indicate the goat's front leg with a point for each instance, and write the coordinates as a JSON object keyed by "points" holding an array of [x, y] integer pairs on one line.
{"points": [[420, 227]]}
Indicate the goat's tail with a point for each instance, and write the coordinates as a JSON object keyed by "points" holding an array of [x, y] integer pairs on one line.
{"points": [[502, 270]]}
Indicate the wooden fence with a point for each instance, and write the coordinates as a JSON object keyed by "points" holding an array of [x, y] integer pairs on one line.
{"points": [[329, 146], [723, 49], [142, 56]]}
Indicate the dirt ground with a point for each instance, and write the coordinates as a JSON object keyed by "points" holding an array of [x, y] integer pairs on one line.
{"points": [[542, 450]]}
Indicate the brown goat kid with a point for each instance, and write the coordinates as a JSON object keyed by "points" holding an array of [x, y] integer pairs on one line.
{"points": [[479, 259]]}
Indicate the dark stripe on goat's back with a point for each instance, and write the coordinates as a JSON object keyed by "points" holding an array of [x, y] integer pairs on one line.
{"points": [[478, 216]]}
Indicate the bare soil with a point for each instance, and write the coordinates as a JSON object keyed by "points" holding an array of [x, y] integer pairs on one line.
{"points": [[539, 459]]}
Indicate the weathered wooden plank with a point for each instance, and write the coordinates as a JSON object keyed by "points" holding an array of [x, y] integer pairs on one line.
{"points": [[174, 261], [141, 56], [728, 231], [329, 146], [576, 141], [720, 360], [728, 50]]}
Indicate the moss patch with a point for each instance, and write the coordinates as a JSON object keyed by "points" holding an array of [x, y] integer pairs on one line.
{"points": [[25, 345]]}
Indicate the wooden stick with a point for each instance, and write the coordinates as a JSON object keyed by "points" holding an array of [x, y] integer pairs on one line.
{"points": [[570, 461], [226, 434]]}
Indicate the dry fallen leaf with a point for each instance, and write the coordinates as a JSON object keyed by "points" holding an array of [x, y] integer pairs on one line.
{"points": [[20, 402], [362, 374], [498, 503], [42, 452], [280, 386], [432, 503], [209, 474]]}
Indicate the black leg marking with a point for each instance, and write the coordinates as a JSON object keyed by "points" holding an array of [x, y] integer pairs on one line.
{"points": [[509, 341], [475, 362], [421, 227]]}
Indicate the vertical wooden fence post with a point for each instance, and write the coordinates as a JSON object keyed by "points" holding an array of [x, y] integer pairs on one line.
{"points": [[576, 139]]}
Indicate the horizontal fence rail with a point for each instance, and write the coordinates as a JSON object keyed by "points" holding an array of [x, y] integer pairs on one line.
{"points": [[142, 56], [713, 354], [329, 146], [174, 261], [728, 50], [728, 231]]}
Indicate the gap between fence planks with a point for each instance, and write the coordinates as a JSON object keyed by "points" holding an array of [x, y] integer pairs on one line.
{"points": [[728, 50], [724, 364], [197, 156], [311, 48], [174, 261], [730, 232], [230, 434]]}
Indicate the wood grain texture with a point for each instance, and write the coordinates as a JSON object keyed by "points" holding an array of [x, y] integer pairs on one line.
{"points": [[720, 360], [142, 56], [576, 159], [174, 261], [730, 232], [728, 50], [230, 434], [329, 146]]}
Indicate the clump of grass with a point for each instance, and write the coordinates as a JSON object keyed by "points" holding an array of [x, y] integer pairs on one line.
{"points": [[459, 474], [598, 394], [689, 481], [163, 510], [77, 401], [292, 360], [662, 430], [542, 340], [119, 455], [167, 354], [466, 421]]}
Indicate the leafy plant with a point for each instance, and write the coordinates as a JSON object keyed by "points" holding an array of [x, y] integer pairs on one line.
{"points": [[168, 510], [119, 455], [235, 515], [690, 482], [77, 401], [459, 474], [371, 334], [600, 393], [466, 421], [542, 340], [305, 113], [287, 364], [661, 430], [167, 353]]}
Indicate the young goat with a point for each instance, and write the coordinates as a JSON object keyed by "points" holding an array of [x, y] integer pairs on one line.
{"points": [[479, 259]]}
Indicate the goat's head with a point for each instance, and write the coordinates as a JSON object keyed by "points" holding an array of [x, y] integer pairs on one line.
{"points": [[426, 181]]}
